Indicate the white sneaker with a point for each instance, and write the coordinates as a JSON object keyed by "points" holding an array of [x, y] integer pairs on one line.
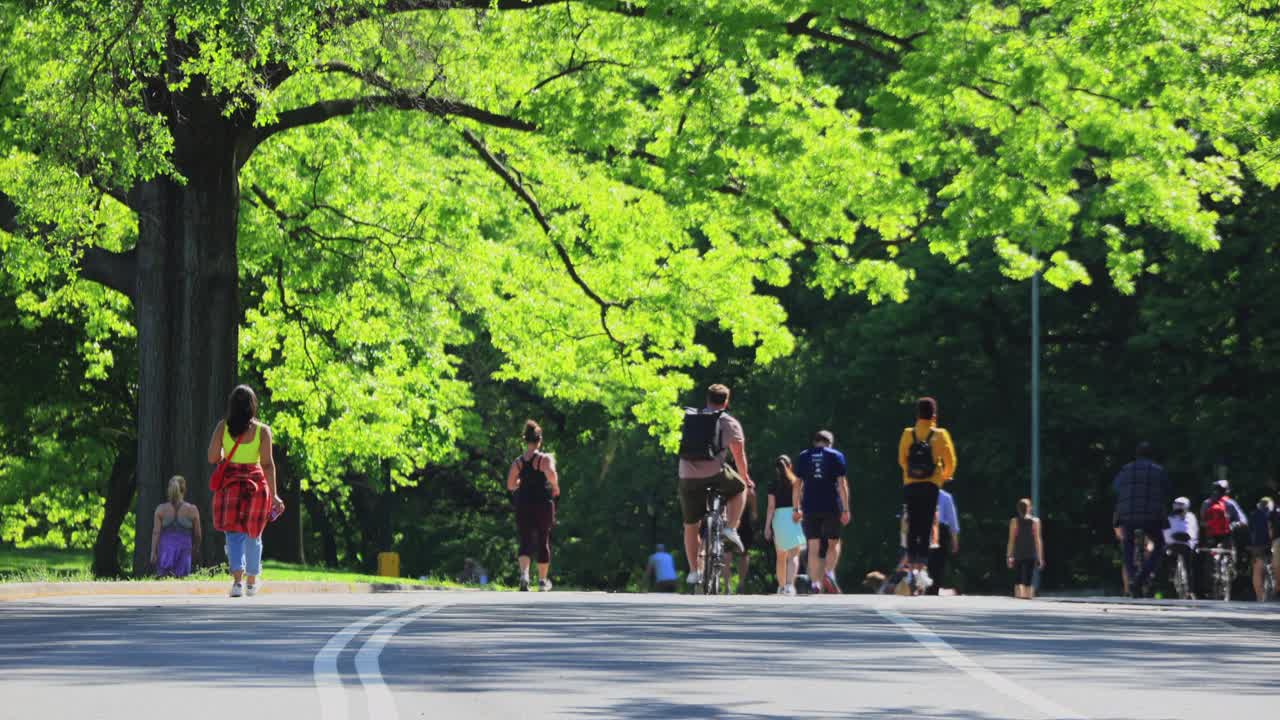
{"points": [[731, 536], [251, 590], [789, 590], [782, 590], [693, 578], [236, 590]]}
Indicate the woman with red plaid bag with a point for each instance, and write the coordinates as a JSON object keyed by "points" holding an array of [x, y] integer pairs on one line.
{"points": [[244, 493]]}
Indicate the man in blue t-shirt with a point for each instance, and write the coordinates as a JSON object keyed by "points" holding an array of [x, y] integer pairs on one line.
{"points": [[821, 499]]}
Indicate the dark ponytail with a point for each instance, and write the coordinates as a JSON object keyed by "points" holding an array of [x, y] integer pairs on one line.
{"points": [[532, 432], [242, 408]]}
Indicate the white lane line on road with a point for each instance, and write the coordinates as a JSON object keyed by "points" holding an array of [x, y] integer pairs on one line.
{"points": [[377, 694], [333, 701], [958, 660]]}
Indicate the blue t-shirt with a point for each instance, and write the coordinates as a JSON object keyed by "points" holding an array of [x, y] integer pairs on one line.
{"points": [[664, 566], [819, 468]]}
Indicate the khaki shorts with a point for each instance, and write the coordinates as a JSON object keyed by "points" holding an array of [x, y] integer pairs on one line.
{"points": [[693, 492]]}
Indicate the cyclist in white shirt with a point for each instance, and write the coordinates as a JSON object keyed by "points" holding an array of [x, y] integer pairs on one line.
{"points": [[1183, 535]]}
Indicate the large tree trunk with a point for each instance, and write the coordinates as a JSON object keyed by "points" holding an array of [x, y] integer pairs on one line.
{"points": [[187, 310], [120, 486]]}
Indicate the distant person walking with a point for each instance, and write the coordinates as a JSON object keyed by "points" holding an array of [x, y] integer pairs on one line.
{"points": [[246, 497], [536, 484], [176, 532], [928, 461], [1142, 493], [1260, 544], [823, 498], [1025, 553], [948, 541], [781, 527], [709, 438], [661, 570]]}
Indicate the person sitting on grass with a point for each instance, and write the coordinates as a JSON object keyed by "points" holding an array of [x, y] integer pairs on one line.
{"points": [[176, 533]]}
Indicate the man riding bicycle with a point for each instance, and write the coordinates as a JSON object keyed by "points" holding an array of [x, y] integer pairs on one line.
{"points": [[1182, 536], [708, 439], [1220, 517], [1141, 491]]}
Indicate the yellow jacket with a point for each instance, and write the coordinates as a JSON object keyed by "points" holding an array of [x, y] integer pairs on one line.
{"points": [[944, 453]]}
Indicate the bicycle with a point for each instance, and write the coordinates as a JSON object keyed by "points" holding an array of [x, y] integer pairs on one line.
{"points": [[713, 546], [1224, 570], [1181, 573], [1139, 560]]}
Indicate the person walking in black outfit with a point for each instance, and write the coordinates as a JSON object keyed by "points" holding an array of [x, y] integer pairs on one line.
{"points": [[948, 541], [536, 484], [1142, 492]]}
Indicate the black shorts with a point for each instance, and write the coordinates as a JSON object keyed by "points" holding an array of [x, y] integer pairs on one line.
{"points": [[1026, 570], [820, 525]]}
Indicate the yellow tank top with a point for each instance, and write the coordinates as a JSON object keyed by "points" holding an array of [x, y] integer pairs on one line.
{"points": [[247, 453]]}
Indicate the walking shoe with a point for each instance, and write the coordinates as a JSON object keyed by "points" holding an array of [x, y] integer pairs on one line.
{"points": [[789, 590], [236, 590], [782, 590], [544, 585], [815, 587], [731, 536], [693, 578], [251, 590], [524, 584], [829, 584]]}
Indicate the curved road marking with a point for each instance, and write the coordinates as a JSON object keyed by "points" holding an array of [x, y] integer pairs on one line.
{"points": [[333, 701], [958, 660], [377, 694]]}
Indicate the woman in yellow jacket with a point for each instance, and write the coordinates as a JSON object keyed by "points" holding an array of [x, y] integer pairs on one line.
{"points": [[928, 459]]}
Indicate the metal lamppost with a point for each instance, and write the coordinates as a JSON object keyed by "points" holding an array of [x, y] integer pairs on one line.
{"points": [[1035, 390]]}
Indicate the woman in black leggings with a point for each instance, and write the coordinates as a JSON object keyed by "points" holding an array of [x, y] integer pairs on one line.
{"points": [[928, 460], [536, 485]]}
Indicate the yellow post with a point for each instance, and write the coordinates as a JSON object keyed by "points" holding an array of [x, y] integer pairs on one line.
{"points": [[389, 564]]}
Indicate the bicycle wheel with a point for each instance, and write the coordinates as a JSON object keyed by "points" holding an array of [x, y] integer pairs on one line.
{"points": [[1181, 582], [1225, 577], [1139, 562], [711, 556]]}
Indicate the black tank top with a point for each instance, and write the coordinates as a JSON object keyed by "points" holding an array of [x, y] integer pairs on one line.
{"points": [[1024, 543], [534, 486]]}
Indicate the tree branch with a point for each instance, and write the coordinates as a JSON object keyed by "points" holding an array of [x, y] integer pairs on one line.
{"points": [[116, 270], [861, 27], [518, 187], [328, 109], [801, 27]]}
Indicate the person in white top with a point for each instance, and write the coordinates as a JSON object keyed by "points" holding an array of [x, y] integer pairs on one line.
{"points": [[1183, 535]]}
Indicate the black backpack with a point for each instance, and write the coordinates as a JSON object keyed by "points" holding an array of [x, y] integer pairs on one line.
{"points": [[700, 434], [920, 462]]}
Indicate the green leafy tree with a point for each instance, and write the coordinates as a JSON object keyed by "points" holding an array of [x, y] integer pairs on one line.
{"points": [[594, 181]]}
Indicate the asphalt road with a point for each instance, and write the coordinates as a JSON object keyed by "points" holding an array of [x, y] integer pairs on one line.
{"points": [[579, 655]]}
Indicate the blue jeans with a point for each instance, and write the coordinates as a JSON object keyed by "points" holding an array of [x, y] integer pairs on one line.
{"points": [[1156, 535], [244, 553]]}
